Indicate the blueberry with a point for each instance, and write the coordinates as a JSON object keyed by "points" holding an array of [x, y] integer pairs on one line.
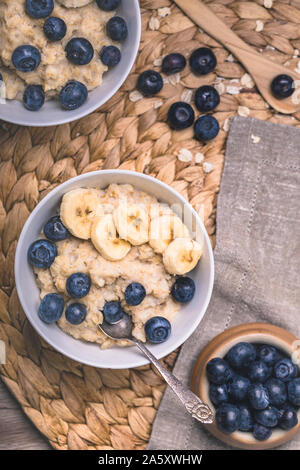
{"points": [[218, 393], [228, 418], [258, 371], [79, 51], [238, 388], [112, 312], [268, 354], [33, 97], [73, 95], [282, 86], [288, 420], [241, 355], [1, 78], [51, 308], [157, 329], [135, 293], [206, 128], [203, 61], [277, 391], [110, 56], [218, 371], [286, 407], [55, 28], [108, 5], [150, 82], [39, 8], [246, 422], [258, 397], [26, 58], [75, 313], [206, 98], [285, 369], [173, 63], [267, 417], [261, 433], [183, 289], [42, 253], [116, 28], [55, 230], [294, 391], [181, 115], [78, 285]]}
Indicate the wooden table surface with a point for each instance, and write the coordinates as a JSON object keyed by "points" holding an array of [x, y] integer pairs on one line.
{"points": [[16, 430]]}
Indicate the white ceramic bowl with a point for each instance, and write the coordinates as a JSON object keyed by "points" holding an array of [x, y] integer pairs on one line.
{"points": [[187, 318], [52, 114]]}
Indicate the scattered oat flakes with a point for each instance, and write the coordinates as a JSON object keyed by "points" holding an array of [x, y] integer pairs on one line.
{"points": [[158, 104], [172, 79], [154, 23], [158, 62], [268, 3], [199, 157], [220, 87], [187, 95], [164, 11], [226, 125], [230, 58], [296, 53], [247, 81], [259, 26], [135, 96], [185, 155], [233, 90], [255, 139], [243, 111], [207, 167]]}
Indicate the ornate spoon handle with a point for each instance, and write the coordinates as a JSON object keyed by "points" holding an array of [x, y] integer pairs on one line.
{"points": [[192, 403]]}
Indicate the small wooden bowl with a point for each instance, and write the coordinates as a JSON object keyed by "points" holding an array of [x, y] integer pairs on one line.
{"points": [[218, 347]]}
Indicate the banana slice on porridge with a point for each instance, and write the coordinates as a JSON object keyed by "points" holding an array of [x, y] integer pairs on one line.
{"points": [[74, 3], [164, 229], [78, 210], [105, 240], [182, 255], [132, 223]]}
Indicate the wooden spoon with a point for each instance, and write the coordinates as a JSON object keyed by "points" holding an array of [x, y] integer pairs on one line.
{"points": [[262, 70]]}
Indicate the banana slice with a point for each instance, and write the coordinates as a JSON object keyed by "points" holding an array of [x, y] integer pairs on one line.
{"points": [[104, 239], [74, 3], [182, 255], [78, 209], [132, 223], [164, 229]]}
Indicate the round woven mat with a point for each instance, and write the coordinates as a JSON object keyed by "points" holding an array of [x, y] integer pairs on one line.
{"points": [[79, 407]]}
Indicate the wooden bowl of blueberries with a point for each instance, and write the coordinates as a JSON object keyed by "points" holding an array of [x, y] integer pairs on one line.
{"points": [[249, 375]]}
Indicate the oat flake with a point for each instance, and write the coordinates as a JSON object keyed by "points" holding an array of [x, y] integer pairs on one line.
{"points": [[233, 90], [158, 62], [199, 157], [207, 167], [268, 3], [247, 81], [255, 139], [164, 11], [220, 87], [243, 111], [135, 96], [230, 58], [226, 125], [187, 95], [259, 26], [154, 23], [185, 155]]}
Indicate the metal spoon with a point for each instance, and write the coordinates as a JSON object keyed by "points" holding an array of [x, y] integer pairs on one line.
{"points": [[123, 330]]}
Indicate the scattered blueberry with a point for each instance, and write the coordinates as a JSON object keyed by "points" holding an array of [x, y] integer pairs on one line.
{"points": [[55, 28], [55, 230], [277, 391], [261, 433], [282, 86], [173, 63], [135, 293], [268, 354], [42, 253], [267, 417], [108, 5], [157, 329], [258, 371], [285, 369], [78, 285], [51, 308], [150, 82], [206, 128], [246, 421], [26, 58], [294, 391], [110, 56], [218, 371], [241, 355], [33, 97], [73, 95], [288, 420], [181, 115], [238, 388], [1, 78], [79, 51], [75, 313], [183, 289], [206, 98], [258, 397], [203, 61], [112, 312], [116, 28], [228, 417], [218, 393], [39, 8]]}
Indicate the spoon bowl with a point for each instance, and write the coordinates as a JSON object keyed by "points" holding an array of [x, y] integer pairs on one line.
{"points": [[119, 330]]}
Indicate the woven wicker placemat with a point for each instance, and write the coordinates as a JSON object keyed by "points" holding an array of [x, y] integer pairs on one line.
{"points": [[75, 406]]}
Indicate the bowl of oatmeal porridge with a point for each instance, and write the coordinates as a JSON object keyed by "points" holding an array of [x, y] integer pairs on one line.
{"points": [[109, 241], [56, 63]]}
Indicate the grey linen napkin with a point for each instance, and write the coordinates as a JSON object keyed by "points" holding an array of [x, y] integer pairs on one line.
{"points": [[257, 259]]}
